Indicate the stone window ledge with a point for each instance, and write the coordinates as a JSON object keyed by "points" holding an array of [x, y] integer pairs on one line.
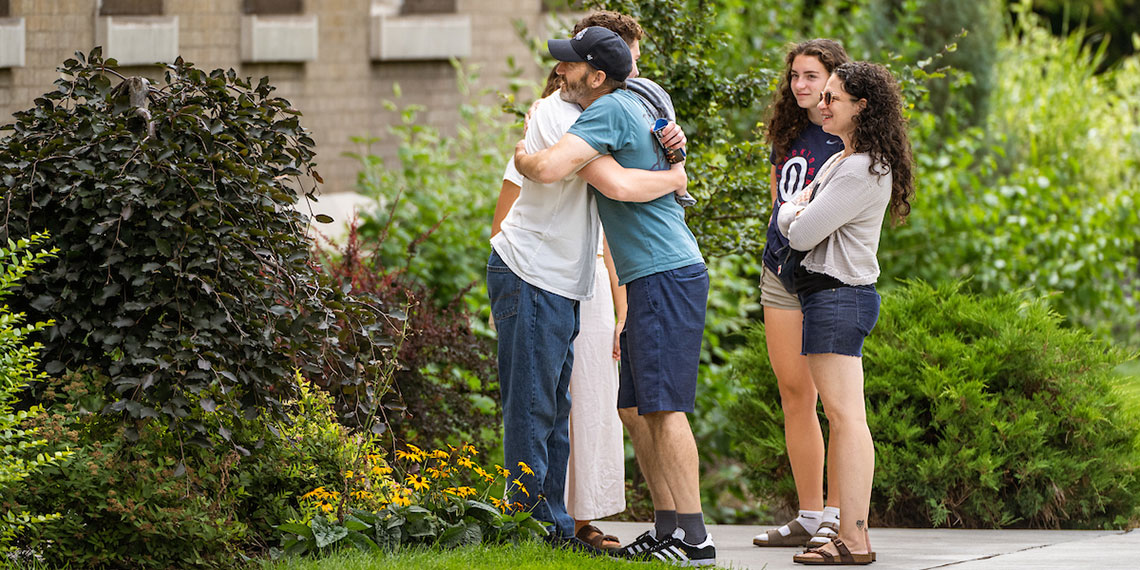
{"points": [[12, 42], [419, 37], [279, 38], [138, 40]]}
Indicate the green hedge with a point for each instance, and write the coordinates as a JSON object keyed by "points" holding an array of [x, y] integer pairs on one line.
{"points": [[986, 412]]}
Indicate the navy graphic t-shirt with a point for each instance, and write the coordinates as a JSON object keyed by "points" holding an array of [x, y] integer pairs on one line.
{"points": [[808, 152]]}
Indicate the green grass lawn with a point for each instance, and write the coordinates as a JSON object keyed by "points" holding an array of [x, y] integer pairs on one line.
{"points": [[523, 556]]}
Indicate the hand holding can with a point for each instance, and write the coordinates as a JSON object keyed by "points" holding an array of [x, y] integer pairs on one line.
{"points": [[673, 155]]}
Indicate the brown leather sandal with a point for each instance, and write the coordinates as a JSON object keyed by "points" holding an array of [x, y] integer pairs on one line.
{"points": [[594, 536], [827, 531], [821, 557]]}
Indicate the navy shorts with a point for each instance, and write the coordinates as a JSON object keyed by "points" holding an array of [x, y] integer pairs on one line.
{"points": [[661, 343], [837, 320]]}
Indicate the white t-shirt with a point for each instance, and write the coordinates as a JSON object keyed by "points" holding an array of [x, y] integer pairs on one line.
{"points": [[550, 236]]}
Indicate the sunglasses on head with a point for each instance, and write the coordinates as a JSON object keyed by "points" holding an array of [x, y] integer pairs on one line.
{"points": [[828, 97]]}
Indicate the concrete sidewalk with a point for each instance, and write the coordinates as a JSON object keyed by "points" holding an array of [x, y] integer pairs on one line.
{"points": [[936, 548]]}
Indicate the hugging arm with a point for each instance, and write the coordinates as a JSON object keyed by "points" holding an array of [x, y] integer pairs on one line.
{"points": [[617, 182], [554, 163]]}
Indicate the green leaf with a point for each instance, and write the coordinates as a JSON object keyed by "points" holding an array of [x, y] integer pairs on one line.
{"points": [[364, 543], [296, 528], [482, 511], [462, 534], [355, 524], [325, 533]]}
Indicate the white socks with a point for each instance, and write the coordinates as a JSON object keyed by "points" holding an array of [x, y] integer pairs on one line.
{"points": [[830, 514], [808, 519], [824, 535]]}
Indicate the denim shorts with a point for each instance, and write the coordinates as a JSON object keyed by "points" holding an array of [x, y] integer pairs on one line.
{"points": [[661, 343], [837, 320]]}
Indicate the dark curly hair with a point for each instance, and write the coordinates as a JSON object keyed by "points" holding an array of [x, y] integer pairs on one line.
{"points": [[881, 129], [788, 119], [622, 25]]}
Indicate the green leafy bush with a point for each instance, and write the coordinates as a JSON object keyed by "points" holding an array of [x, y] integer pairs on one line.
{"points": [[986, 412], [734, 303], [1044, 197], [921, 28], [157, 502], [185, 273], [21, 452]]}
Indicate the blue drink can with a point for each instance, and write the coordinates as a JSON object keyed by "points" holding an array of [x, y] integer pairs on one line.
{"points": [[673, 155]]}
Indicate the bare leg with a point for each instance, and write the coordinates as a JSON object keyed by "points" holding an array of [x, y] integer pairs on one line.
{"points": [[647, 459], [673, 441], [798, 396], [840, 382]]}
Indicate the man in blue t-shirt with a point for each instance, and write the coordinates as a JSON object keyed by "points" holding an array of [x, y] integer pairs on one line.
{"points": [[657, 257]]}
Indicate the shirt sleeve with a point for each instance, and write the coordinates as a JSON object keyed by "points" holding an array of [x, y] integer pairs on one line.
{"points": [[511, 174], [549, 122], [602, 126], [839, 201]]}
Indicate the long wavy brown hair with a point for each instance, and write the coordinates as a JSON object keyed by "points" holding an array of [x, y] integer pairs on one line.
{"points": [[787, 120], [881, 130], [622, 25]]}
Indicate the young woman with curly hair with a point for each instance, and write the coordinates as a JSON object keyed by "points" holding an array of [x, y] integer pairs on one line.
{"points": [[799, 148], [837, 220]]}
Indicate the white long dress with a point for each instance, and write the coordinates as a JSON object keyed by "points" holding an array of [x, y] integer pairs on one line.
{"points": [[596, 479]]}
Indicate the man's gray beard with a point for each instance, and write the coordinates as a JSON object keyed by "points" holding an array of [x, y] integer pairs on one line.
{"points": [[567, 95]]}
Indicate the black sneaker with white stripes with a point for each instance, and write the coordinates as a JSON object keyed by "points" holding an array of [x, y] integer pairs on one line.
{"points": [[642, 544], [676, 551]]}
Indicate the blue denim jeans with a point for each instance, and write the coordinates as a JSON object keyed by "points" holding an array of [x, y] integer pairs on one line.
{"points": [[536, 338]]}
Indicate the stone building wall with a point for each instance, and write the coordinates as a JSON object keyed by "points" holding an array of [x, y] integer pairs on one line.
{"points": [[340, 93]]}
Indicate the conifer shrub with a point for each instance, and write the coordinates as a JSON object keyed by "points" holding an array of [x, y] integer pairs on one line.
{"points": [[987, 412]]}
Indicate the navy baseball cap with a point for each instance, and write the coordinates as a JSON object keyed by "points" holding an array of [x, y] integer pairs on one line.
{"points": [[600, 47]]}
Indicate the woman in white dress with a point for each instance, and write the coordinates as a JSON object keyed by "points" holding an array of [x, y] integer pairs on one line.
{"points": [[595, 487]]}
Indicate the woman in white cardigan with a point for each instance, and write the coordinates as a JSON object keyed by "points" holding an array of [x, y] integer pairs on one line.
{"points": [[837, 221]]}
